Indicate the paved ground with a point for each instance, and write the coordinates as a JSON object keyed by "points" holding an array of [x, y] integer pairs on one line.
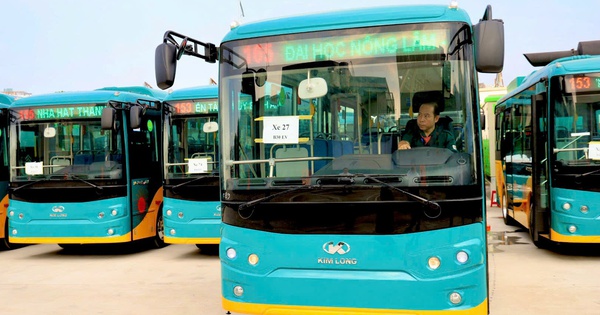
{"points": [[180, 280]]}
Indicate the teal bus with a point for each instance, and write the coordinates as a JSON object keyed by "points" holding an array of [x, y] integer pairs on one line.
{"points": [[547, 151], [192, 208], [321, 214], [86, 167], [5, 101]]}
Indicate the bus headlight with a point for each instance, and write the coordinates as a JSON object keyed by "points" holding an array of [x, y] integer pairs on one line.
{"points": [[462, 257], [113, 212], [172, 232], [100, 215], [169, 212], [253, 259], [455, 298], [21, 216], [12, 213], [238, 290], [231, 253], [110, 231], [180, 215], [434, 262], [584, 209], [566, 206], [572, 229]]}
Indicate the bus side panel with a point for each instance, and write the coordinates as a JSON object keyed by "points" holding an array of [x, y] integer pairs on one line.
{"points": [[354, 271], [587, 224], [145, 213], [98, 221], [200, 221]]}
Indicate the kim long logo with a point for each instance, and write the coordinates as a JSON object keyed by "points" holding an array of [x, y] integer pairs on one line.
{"points": [[339, 248]]}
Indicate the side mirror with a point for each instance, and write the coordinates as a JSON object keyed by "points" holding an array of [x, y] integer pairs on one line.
{"points": [[210, 127], [312, 88], [135, 116], [489, 43], [108, 118], [165, 65]]}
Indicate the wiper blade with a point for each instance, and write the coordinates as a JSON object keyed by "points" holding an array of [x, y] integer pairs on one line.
{"points": [[99, 188], [31, 183], [588, 173], [431, 204], [269, 197], [192, 181]]}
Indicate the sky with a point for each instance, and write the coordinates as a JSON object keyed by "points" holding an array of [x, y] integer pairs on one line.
{"points": [[73, 45]]}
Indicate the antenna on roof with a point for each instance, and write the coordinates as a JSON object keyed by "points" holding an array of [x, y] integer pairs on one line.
{"points": [[237, 23]]}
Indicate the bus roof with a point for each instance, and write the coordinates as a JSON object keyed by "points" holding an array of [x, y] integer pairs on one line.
{"points": [[349, 19], [97, 96], [197, 92], [492, 98], [559, 67], [6, 100], [159, 94]]}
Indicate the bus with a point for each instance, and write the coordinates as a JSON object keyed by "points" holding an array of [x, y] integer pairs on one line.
{"points": [[192, 208], [5, 101], [321, 214], [86, 167], [547, 148]]}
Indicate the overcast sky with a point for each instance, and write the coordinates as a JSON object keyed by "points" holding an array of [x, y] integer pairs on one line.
{"points": [[68, 45]]}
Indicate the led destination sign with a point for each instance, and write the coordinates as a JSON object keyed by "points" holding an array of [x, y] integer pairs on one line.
{"points": [[61, 112], [345, 47], [582, 83], [199, 107]]}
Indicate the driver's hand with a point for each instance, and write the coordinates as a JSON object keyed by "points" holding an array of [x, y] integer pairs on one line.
{"points": [[403, 145]]}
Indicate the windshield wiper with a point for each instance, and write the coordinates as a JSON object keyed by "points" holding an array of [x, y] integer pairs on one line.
{"points": [[192, 181], [588, 173], [269, 197], [431, 204], [31, 183], [99, 188]]}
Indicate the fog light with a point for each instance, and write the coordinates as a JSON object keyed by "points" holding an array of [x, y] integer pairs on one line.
{"points": [[111, 231], [14, 232], [566, 206], [180, 215], [584, 209], [455, 298], [231, 253], [238, 290], [114, 212], [169, 212], [572, 229], [434, 263], [462, 257], [253, 259], [172, 232], [100, 215]]}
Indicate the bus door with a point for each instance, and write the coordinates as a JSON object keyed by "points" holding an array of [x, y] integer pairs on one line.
{"points": [[540, 204]]}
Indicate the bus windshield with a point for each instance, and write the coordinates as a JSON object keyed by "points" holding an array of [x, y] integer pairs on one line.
{"points": [[64, 149], [373, 77], [192, 142], [576, 138]]}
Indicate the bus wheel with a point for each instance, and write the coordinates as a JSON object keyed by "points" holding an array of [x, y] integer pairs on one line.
{"points": [[158, 241], [208, 249], [5, 242], [508, 220]]}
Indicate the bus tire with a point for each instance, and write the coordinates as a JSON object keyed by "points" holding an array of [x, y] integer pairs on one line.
{"points": [[508, 220], [5, 242], [158, 241]]}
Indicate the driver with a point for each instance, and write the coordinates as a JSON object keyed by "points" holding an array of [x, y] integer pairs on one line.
{"points": [[428, 133]]}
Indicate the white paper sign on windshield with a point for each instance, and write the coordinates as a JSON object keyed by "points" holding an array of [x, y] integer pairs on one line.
{"points": [[281, 129], [197, 166], [594, 150], [34, 168]]}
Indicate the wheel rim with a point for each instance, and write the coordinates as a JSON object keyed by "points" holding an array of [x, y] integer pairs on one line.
{"points": [[504, 205]]}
